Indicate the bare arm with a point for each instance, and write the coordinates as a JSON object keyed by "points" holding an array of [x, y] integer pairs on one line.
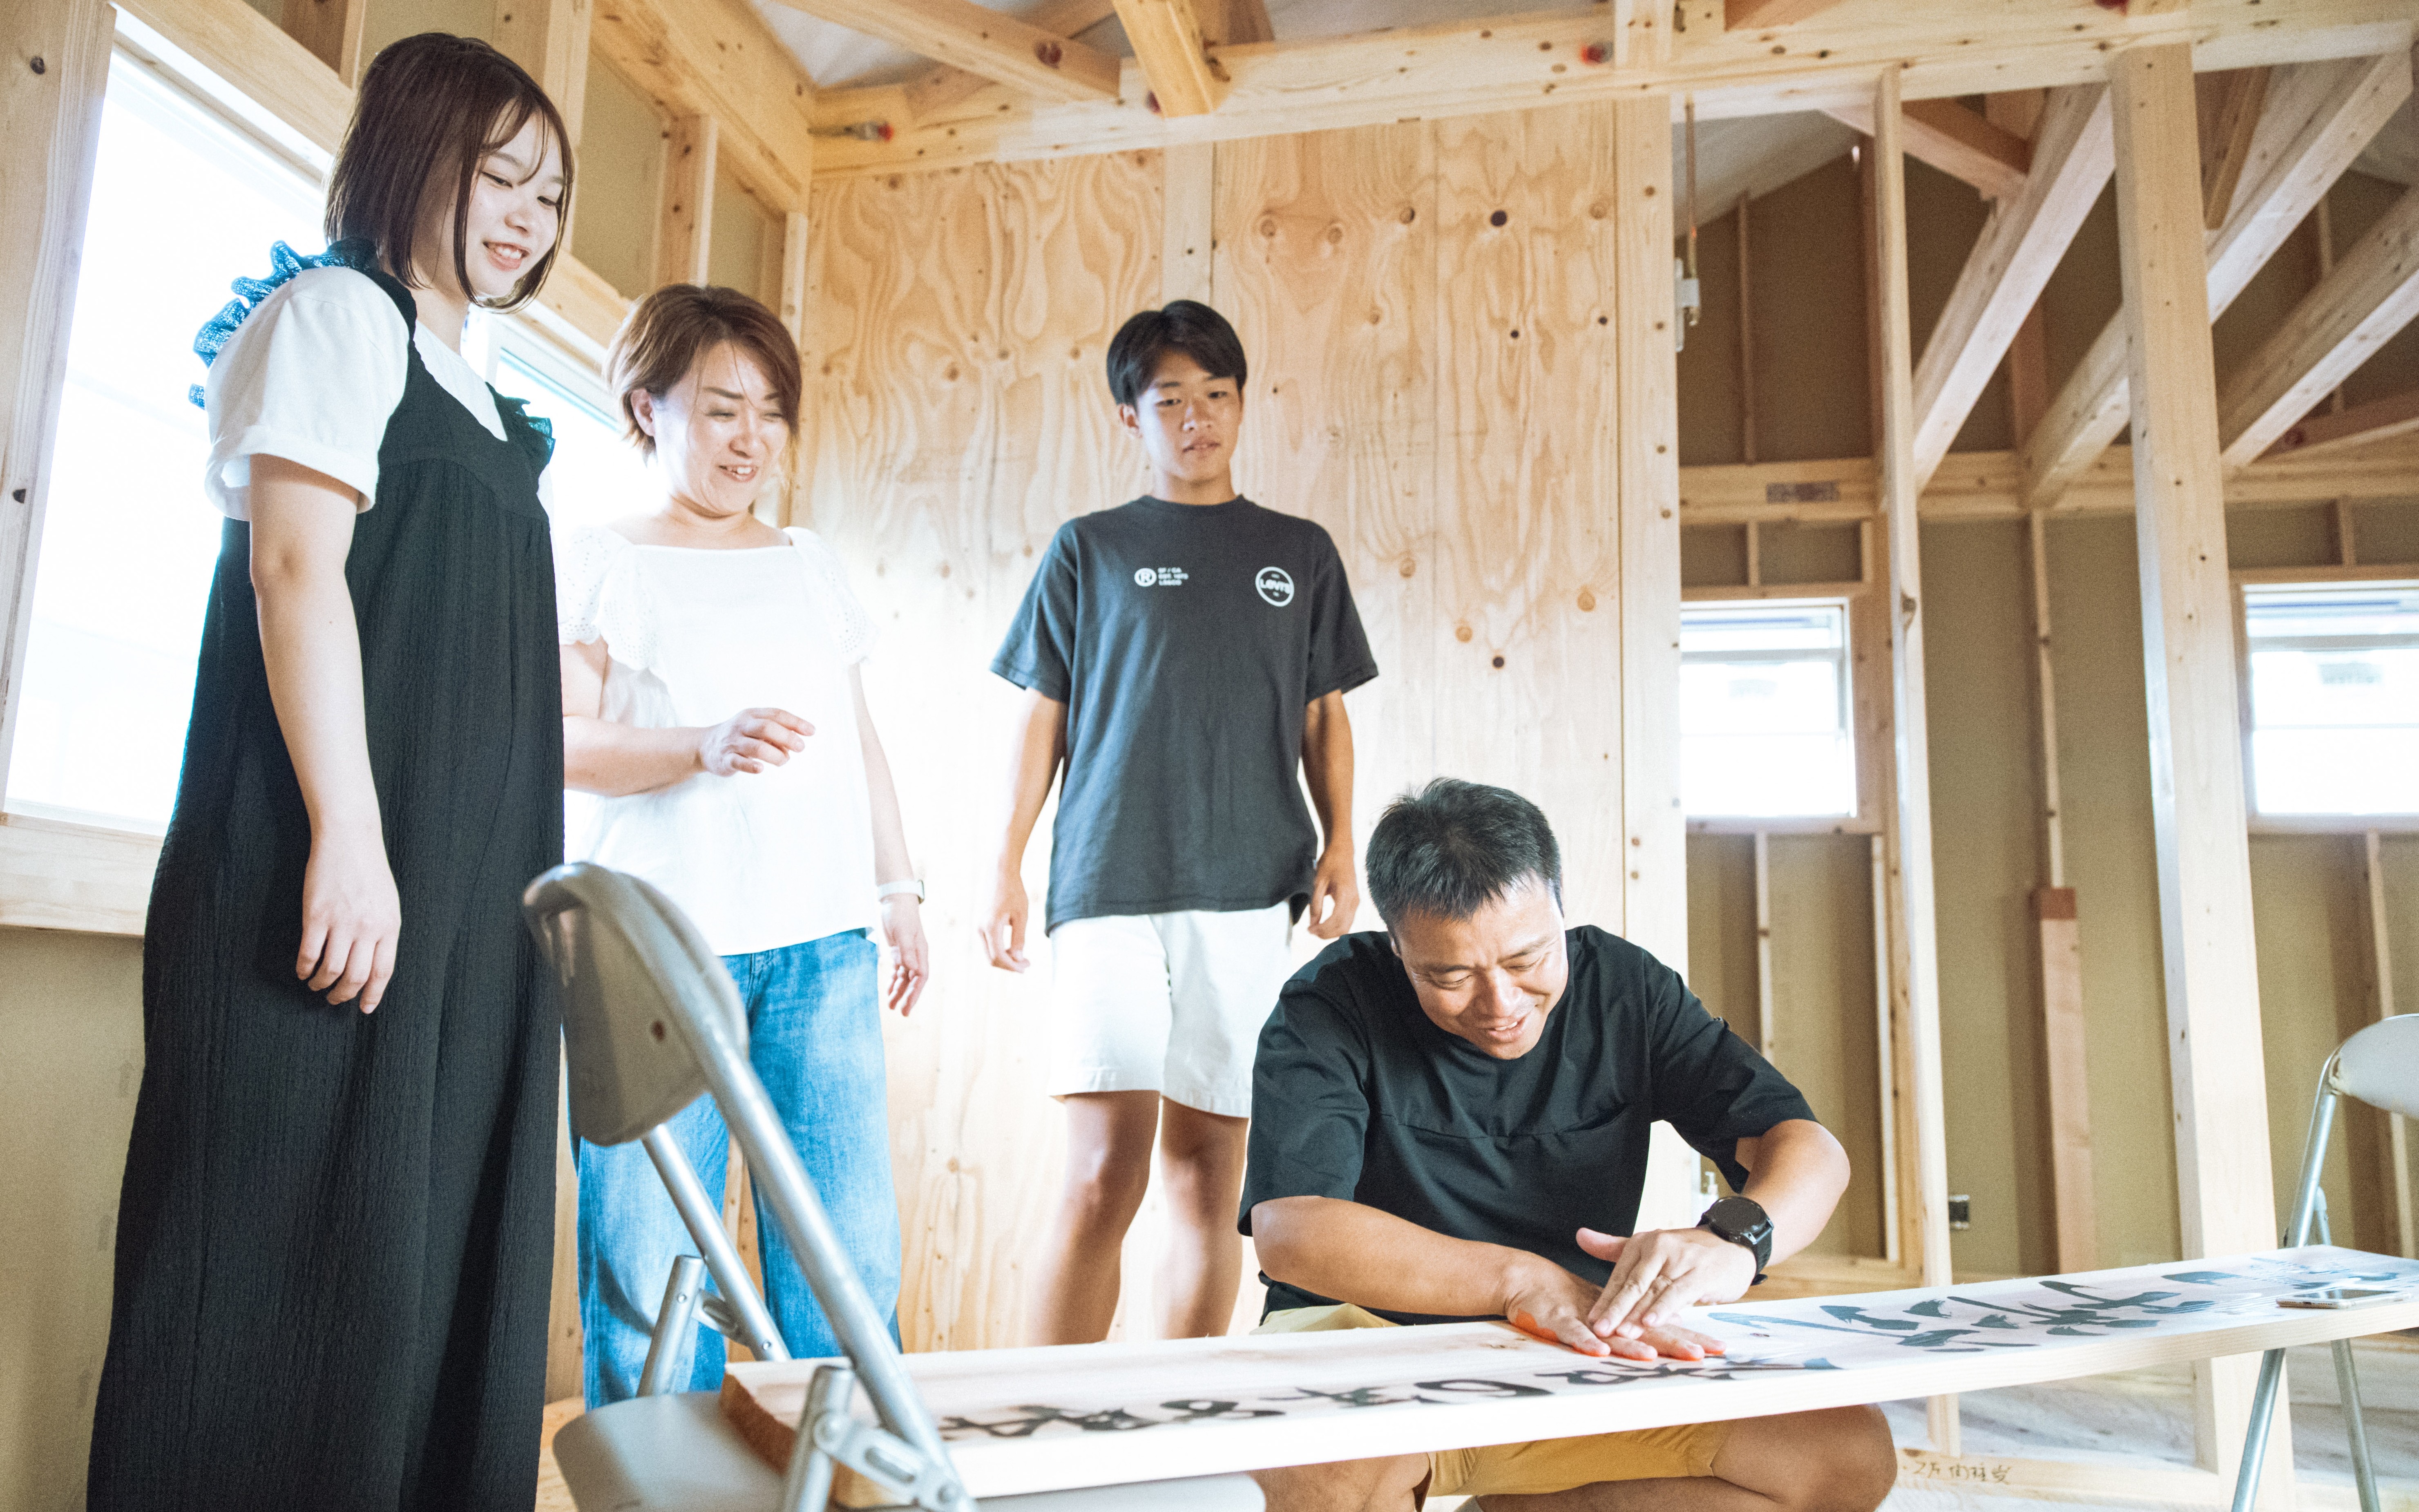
{"points": [[1327, 769], [301, 532], [903, 915], [1365, 1256], [1039, 745], [1795, 1172], [609, 757]]}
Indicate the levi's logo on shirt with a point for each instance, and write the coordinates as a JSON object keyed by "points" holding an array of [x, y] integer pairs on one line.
{"points": [[1162, 577]]}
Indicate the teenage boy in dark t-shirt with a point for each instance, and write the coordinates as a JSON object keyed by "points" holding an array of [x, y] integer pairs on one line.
{"points": [[1185, 657], [1450, 1121]]}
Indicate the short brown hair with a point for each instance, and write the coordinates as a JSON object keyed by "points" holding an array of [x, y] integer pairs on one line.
{"points": [[671, 330], [431, 108]]}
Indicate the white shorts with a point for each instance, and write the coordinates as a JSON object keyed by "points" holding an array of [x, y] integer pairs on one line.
{"points": [[1167, 1003]]}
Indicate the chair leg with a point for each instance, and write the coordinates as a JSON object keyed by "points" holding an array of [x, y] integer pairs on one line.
{"points": [[2254, 1443], [2348, 1389], [675, 1326]]}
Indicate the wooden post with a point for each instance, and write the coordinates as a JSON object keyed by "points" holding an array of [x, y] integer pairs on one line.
{"points": [[1767, 1040], [1746, 336], [549, 38], [1919, 991], [2396, 1174], [49, 116], [332, 29], [2204, 855], [685, 230], [1892, 1247], [2057, 935], [1654, 840], [1186, 233]]}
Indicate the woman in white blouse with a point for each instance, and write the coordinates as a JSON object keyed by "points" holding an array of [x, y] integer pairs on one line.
{"points": [[711, 695]]}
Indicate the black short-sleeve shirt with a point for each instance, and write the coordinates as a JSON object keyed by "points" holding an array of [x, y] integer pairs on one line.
{"points": [[1186, 641], [1357, 1095]]}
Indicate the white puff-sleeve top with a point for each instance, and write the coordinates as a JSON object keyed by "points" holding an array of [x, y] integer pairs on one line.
{"points": [[761, 859], [312, 375]]}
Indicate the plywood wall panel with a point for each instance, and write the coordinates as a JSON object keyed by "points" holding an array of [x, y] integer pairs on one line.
{"points": [[1325, 261], [1528, 633]]}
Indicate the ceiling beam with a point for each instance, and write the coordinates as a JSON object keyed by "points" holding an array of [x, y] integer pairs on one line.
{"points": [[2370, 294], [937, 90], [2363, 424], [964, 35], [2316, 118], [2230, 104], [1169, 43], [1537, 58], [1956, 141], [2074, 153], [718, 59]]}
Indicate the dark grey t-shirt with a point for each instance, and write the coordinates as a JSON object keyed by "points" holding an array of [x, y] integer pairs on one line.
{"points": [[1356, 1094], [1186, 641]]}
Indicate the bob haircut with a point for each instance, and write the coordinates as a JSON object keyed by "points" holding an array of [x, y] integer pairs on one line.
{"points": [[678, 326], [431, 109], [1186, 326]]}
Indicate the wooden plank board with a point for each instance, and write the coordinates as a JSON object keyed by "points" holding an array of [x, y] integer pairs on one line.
{"points": [[941, 88], [331, 31], [1039, 1419], [249, 51], [2204, 863], [549, 38], [2073, 1197], [720, 58], [964, 35], [685, 223], [2363, 424], [1189, 232], [1538, 58], [1959, 142], [1169, 42], [58, 875]]}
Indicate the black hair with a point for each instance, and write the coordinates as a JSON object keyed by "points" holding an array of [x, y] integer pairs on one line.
{"points": [[1186, 326], [1453, 848], [431, 108]]}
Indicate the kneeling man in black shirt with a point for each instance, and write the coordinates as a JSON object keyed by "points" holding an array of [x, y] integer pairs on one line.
{"points": [[1449, 1121]]}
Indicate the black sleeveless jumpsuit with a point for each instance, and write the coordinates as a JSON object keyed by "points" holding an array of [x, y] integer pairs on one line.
{"points": [[334, 1242]]}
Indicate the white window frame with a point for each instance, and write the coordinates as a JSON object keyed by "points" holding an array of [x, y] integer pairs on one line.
{"points": [[2403, 574]]}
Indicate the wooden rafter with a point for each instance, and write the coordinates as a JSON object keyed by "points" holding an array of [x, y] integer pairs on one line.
{"points": [[2317, 117], [719, 58], [1518, 62], [2005, 273], [1169, 42], [1956, 141], [2372, 293], [332, 29], [2363, 424], [549, 38], [2229, 108], [966, 35]]}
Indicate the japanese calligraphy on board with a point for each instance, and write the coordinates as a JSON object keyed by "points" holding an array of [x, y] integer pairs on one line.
{"points": [[1017, 1420]]}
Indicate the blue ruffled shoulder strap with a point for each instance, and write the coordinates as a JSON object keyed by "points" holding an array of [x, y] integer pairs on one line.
{"points": [[284, 263], [533, 434]]}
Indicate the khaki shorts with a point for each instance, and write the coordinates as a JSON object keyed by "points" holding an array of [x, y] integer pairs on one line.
{"points": [[1682, 1452]]}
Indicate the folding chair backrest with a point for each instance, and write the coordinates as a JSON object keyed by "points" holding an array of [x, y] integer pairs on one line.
{"points": [[630, 963], [2380, 1065]]}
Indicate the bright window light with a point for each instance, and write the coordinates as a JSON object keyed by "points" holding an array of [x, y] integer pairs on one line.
{"points": [[2335, 697], [128, 541], [1763, 712], [596, 476]]}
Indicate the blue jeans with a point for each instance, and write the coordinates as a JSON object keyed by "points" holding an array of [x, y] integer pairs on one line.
{"points": [[814, 1034]]}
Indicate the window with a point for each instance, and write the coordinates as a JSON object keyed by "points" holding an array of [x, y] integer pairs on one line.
{"points": [[128, 541], [2335, 697], [596, 475], [1763, 711]]}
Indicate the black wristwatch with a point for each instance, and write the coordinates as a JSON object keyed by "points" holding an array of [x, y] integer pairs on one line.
{"points": [[1743, 1224]]}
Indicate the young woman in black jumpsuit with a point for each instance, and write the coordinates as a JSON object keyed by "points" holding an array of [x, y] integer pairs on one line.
{"points": [[335, 1241]]}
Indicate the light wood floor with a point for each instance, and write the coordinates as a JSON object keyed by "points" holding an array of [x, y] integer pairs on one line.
{"points": [[2142, 1414]]}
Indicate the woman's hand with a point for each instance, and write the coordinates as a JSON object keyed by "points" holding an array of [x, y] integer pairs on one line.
{"points": [[352, 919], [902, 930], [752, 740]]}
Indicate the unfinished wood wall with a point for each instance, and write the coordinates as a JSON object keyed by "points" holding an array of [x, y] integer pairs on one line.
{"points": [[1429, 310]]}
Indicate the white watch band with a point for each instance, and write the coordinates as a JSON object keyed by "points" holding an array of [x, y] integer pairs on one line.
{"points": [[891, 890]]}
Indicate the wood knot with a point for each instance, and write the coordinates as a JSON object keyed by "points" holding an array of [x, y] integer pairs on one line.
{"points": [[1461, 633]]}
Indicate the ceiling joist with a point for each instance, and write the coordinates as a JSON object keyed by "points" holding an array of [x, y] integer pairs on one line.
{"points": [[1169, 43], [1956, 141], [2363, 424], [2230, 106], [2368, 296], [2074, 151], [718, 59], [997, 47], [1948, 47], [2316, 118]]}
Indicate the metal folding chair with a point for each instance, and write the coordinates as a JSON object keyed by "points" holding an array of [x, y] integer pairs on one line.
{"points": [[2379, 1066], [650, 1020]]}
